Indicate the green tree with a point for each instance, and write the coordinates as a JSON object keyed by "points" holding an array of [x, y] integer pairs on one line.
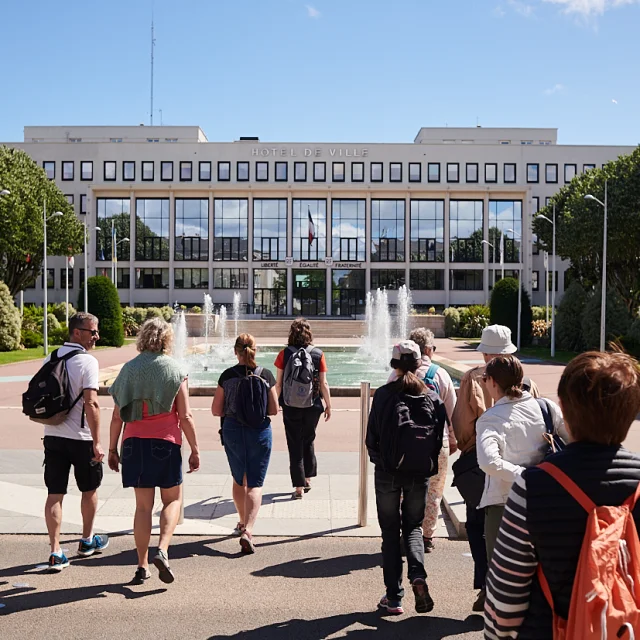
{"points": [[579, 227], [569, 318], [10, 322], [105, 305], [21, 220], [504, 309], [618, 320]]}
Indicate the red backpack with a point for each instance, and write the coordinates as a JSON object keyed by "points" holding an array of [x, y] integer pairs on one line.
{"points": [[605, 601]]}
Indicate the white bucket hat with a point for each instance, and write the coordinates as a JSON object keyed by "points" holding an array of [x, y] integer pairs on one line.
{"points": [[496, 340]]}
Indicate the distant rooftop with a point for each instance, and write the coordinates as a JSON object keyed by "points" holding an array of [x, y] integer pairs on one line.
{"points": [[482, 135], [140, 133]]}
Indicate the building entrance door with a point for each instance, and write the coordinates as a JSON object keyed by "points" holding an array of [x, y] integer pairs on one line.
{"points": [[309, 292]]}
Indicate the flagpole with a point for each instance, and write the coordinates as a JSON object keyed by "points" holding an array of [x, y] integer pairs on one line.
{"points": [[113, 253], [546, 282], [66, 290]]}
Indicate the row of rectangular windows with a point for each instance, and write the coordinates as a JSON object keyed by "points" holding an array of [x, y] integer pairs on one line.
{"points": [[338, 171]]}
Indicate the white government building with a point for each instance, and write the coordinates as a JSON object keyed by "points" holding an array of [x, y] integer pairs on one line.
{"points": [[307, 228]]}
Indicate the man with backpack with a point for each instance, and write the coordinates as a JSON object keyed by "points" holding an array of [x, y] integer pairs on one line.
{"points": [[404, 438], [63, 396], [567, 558], [301, 386]]}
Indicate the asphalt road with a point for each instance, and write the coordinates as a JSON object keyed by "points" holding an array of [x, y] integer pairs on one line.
{"points": [[292, 588]]}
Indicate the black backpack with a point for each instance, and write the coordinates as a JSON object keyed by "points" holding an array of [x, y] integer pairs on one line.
{"points": [[412, 444], [48, 399], [251, 399]]}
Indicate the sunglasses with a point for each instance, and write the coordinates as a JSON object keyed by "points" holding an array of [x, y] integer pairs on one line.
{"points": [[94, 332]]}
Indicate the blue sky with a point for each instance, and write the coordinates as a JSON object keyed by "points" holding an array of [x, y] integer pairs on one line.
{"points": [[326, 70]]}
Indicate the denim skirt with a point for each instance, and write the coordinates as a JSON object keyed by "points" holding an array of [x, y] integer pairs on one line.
{"points": [[248, 451], [148, 463]]}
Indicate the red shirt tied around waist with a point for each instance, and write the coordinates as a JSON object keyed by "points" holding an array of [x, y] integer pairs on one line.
{"points": [[163, 426]]}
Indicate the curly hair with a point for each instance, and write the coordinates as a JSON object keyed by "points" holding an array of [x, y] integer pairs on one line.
{"points": [[300, 333], [423, 338], [155, 335]]}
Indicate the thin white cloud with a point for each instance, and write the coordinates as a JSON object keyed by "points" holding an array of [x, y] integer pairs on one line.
{"points": [[522, 8], [312, 12], [590, 8], [557, 88], [614, 101], [499, 12]]}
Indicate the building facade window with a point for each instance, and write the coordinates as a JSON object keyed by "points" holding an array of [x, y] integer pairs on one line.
{"points": [[300, 171], [224, 171], [204, 171], [270, 291], [129, 170], [547, 201], [587, 167], [427, 230], [337, 169], [282, 171], [166, 170], [535, 204], [319, 171], [550, 286], [533, 173], [357, 172], [230, 278], [192, 229], [377, 172], [309, 229], [570, 171], [83, 203], [86, 170], [395, 172], [505, 215], [150, 278], [109, 170], [391, 279], [116, 213], [465, 280], [67, 170], [230, 229], [63, 272], [490, 172], [191, 278], [347, 292], [387, 230], [309, 292], [551, 173], [509, 172], [148, 171], [472, 172], [269, 229], [49, 167], [535, 280], [348, 230], [466, 230], [242, 171], [262, 171], [186, 171], [69, 197], [123, 276], [426, 279], [433, 172], [152, 229], [415, 172], [453, 172], [51, 279]]}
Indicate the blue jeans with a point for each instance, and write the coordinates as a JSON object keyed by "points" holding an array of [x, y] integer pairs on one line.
{"points": [[401, 503]]}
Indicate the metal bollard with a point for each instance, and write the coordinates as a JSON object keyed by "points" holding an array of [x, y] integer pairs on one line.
{"points": [[365, 403]]}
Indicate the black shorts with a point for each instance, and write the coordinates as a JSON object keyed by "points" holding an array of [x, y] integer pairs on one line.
{"points": [[60, 454], [148, 463]]}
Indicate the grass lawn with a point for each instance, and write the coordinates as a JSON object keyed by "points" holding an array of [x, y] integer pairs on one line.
{"points": [[544, 353], [22, 355]]}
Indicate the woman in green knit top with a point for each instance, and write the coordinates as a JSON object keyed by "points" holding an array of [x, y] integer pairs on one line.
{"points": [[151, 397]]}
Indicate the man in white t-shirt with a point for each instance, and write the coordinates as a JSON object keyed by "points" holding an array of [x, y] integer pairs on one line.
{"points": [[76, 442]]}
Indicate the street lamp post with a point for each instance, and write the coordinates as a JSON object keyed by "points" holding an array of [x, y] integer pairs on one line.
{"points": [[115, 249], [87, 229], [514, 232], [553, 282], [45, 327], [603, 303], [494, 259]]}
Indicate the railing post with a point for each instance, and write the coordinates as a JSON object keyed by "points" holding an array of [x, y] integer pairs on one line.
{"points": [[363, 489]]}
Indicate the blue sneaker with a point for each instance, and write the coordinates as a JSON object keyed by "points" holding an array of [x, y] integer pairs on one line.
{"points": [[98, 544], [57, 563]]}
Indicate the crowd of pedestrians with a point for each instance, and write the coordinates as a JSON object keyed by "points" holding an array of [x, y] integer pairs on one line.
{"points": [[537, 477]]}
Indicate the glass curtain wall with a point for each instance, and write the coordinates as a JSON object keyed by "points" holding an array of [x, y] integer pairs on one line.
{"points": [[230, 229], [192, 229], [152, 229], [269, 229], [347, 292], [505, 215], [348, 230], [387, 230], [270, 291], [116, 211], [427, 231], [309, 229], [466, 230], [309, 292]]}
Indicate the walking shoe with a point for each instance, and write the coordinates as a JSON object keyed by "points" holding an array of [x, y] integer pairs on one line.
{"points": [[307, 487], [238, 530], [296, 496], [247, 543], [478, 605], [97, 544], [428, 545], [392, 606], [424, 602], [161, 562], [57, 563], [140, 576]]}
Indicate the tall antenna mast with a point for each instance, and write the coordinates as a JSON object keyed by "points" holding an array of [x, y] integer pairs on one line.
{"points": [[153, 44]]}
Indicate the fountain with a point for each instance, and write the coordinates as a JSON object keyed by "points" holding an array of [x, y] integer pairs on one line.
{"points": [[180, 336], [404, 311], [236, 311], [207, 309], [223, 325], [376, 342]]}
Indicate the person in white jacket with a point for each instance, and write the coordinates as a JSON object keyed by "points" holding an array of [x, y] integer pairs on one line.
{"points": [[510, 438]]}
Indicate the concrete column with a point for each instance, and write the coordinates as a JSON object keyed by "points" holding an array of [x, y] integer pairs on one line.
{"points": [[172, 243], [132, 248], [526, 247], [407, 237], [289, 253], [447, 250], [210, 262], [250, 248], [329, 254], [485, 247]]}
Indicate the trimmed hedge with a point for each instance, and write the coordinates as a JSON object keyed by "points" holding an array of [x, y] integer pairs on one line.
{"points": [[104, 303], [504, 309], [9, 321], [451, 322], [618, 320], [569, 318]]}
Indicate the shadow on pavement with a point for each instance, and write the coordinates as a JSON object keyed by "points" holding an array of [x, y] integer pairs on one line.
{"points": [[431, 627], [325, 568]]}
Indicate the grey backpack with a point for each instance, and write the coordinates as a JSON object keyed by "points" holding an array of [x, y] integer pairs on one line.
{"points": [[297, 386]]}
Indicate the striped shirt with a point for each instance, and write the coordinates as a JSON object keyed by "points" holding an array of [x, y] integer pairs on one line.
{"points": [[512, 568]]}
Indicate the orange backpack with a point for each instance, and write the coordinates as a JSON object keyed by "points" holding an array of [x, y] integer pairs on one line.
{"points": [[605, 601]]}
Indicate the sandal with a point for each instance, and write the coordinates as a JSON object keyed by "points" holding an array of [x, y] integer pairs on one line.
{"points": [[296, 496], [238, 531], [246, 543], [307, 487]]}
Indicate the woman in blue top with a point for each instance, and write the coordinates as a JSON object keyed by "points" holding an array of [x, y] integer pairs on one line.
{"points": [[248, 449]]}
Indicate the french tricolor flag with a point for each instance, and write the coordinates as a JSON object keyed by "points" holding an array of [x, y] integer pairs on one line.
{"points": [[312, 227]]}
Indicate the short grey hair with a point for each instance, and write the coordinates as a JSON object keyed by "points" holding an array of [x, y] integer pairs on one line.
{"points": [[155, 335], [423, 338], [77, 321]]}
